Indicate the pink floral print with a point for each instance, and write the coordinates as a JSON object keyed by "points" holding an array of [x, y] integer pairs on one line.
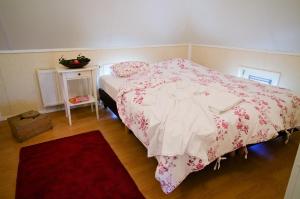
{"points": [[265, 110], [126, 69]]}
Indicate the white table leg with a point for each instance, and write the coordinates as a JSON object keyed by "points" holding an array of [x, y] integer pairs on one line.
{"points": [[90, 85], [60, 86], [66, 99], [69, 116], [97, 112], [62, 90], [92, 108], [66, 110], [95, 92]]}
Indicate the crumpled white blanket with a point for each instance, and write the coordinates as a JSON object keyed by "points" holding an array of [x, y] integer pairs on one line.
{"points": [[182, 121]]}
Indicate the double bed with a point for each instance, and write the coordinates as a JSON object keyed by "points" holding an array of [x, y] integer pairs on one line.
{"points": [[188, 116]]}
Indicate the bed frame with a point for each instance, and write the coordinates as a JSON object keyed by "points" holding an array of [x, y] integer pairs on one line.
{"points": [[108, 102]]}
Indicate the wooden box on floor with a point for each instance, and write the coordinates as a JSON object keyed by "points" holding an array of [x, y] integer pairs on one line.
{"points": [[25, 128]]}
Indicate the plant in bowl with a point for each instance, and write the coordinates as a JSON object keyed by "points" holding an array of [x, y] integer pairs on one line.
{"points": [[79, 62]]}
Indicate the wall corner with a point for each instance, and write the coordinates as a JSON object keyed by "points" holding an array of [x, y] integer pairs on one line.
{"points": [[190, 51]]}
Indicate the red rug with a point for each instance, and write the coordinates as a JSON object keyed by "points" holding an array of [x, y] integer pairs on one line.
{"points": [[80, 166]]}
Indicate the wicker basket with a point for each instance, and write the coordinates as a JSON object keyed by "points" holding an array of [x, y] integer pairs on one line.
{"points": [[29, 124]]}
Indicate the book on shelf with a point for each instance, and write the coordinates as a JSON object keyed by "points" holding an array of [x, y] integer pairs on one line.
{"points": [[79, 99]]}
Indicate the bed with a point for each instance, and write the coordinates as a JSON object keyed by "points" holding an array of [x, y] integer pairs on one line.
{"points": [[188, 116]]}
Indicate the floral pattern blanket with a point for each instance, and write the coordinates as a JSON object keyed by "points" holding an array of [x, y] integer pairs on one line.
{"points": [[162, 108]]}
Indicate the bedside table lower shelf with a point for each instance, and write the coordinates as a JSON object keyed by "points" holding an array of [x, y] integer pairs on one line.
{"points": [[91, 100]]}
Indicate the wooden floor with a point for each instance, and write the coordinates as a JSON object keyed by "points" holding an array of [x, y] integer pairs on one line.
{"points": [[264, 175]]}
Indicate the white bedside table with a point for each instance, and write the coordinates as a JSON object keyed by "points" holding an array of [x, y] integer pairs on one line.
{"points": [[65, 75]]}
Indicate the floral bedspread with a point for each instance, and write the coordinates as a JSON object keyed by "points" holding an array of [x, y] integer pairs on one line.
{"points": [[264, 111]]}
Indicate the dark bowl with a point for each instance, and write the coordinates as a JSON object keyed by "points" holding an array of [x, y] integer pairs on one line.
{"points": [[70, 63]]}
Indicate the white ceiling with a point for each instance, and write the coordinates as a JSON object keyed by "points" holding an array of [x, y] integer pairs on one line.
{"points": [[41, 24]]}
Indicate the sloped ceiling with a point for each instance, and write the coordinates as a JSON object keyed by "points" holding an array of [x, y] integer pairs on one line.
{"points": [[38, 24], [257, 24]]}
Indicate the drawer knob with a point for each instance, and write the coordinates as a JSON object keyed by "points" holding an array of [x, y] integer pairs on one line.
{"points": [[79, 74]]}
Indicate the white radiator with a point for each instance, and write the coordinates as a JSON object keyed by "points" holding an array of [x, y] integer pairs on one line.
{"points": [[258, 75], [49, 87]]}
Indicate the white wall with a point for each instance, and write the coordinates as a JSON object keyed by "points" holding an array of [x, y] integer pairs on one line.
{"points": [[41, 24], [19, 88], [228, 60]]}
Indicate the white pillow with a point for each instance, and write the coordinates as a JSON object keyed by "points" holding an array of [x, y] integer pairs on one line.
{"points": [[126, 69], [106, 70]]}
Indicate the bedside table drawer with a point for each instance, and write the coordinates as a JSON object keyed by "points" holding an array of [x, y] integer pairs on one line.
{"points": [[78, 75]]}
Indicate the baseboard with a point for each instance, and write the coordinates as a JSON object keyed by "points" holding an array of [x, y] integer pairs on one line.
{"points": [[43, 110], [4, 117], [52, 109]]}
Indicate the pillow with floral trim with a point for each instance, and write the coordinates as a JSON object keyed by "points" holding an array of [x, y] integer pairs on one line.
{"points": [[126, 69]]}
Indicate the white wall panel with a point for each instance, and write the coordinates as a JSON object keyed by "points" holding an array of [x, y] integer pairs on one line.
{"points": [[19, 88]]}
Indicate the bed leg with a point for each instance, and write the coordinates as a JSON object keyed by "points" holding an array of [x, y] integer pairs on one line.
{"points": [[288, 134], [126, 129], [218, 162], [232, 154], [245, 150], [292, 131]]}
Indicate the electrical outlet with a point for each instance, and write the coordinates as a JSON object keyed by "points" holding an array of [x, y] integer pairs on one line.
{"points": [[1, 118]]}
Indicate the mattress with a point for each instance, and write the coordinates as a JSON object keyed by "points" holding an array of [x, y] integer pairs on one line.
{"points": [[111, 85]]}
